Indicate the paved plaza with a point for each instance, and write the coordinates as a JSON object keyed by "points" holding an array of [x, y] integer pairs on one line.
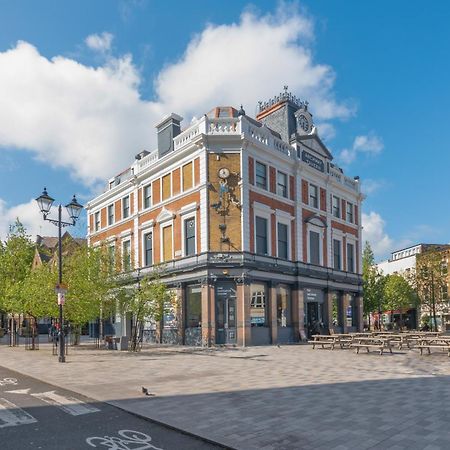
{"points": [[289, 397]]}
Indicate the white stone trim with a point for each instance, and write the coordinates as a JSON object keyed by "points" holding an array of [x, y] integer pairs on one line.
{"points": [[310, 226], [187, 209], [264, 213], [149, 227], [204, 207], [183, 232], [281, 218]]}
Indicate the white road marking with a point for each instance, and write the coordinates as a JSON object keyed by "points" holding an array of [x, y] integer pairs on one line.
{"points": [[11, 415], [70, 405], [128, 440], [19, 391], [5, 381]]}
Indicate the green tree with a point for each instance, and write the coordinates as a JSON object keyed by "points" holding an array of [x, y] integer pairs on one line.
{"points": [[16, 257], [149, 300], [373, 283], [91, 286], [39, 297], [399, 294], [431, 282]]}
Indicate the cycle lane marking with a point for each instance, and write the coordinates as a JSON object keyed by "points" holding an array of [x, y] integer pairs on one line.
{"points": [[70, 405], [12, 415]]}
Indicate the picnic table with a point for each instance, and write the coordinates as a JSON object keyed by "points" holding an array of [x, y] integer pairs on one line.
{"points": [[331, 340], [429, 342], [377, 342]]}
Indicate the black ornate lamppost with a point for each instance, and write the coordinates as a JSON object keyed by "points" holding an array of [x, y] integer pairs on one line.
{"points": [[74, 208]]}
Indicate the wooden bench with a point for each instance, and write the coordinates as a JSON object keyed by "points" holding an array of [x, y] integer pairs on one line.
{"points": [[442, 344], [323, 339], [367, 343]]}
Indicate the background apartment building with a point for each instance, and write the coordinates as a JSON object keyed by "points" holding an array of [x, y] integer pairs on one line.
{"points": [[259, 232]]}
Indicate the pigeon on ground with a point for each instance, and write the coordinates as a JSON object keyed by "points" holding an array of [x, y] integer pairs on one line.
{"points": [[145, 391]]}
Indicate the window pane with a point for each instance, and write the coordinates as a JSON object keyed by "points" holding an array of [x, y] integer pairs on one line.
{"points": [[148, 249], [147, 196], [167, 243], [258, 305], [126, 255], [126, 207], [313, 196], [282, 240], [193, 306], [349, 212], [337, 254], [282, 184], [314, 248], [350, 258], [336, 207], [261, 175], [261, 236], [187, 177], [189, 235], [110, 214], [166, 189], [97, 221], [284, 306]]}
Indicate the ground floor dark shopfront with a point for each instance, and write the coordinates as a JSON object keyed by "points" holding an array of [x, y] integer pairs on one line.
{"points": [[253, 312], [252, 302]]}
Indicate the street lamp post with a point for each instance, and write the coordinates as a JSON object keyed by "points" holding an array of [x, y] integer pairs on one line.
{"points": [[74, 208]]}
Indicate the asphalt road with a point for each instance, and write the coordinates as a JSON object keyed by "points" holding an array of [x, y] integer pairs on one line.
{"points": [[37, 415]]}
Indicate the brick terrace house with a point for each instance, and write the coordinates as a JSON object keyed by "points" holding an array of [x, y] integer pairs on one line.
{"points": [[259, 231]]}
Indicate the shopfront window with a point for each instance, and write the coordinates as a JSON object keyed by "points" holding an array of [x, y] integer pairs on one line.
{"points": [[284, 306], [351, 312], [193, 306], [258, 314]]}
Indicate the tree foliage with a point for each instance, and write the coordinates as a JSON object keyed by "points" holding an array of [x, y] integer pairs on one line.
{"points": [[149, 300], [398, 293], [16, 256], [431, 282], [373, 282]]}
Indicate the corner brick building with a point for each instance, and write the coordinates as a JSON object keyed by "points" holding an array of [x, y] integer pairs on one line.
{"points": [[259, 232]]}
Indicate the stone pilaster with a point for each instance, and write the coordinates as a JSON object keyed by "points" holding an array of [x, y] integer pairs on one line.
{"points": [[345, 304], [328, 309], [272, 313], [244, 336]]}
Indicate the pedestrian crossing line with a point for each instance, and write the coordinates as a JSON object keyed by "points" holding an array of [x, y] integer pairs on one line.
{"points": [[11, 415], [69, 405]]}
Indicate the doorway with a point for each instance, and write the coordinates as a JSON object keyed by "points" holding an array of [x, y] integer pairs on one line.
{"points": [[314, 316], [226, 313]]}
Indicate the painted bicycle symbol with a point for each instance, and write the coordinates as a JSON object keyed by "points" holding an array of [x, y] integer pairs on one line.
{"points": [[127, 440], [5, 381]]}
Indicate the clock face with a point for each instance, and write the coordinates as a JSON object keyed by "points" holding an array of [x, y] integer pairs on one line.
{"points": [[303, 122], [224, 173]]}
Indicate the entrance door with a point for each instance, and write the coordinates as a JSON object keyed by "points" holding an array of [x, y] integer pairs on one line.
{"points": [[314, 315], [226, 313]]}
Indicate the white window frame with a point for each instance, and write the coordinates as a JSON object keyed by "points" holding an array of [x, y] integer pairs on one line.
{"points": [[339, 206], [123, 241], [352, 242], [287, 183], [317, 193], [265, 212], [183, 233], [163, 225], [182, 177], [320, 230], [267, 187], [171, 187], [114, 214], [341, 241], [284, 221], [97, 224], [129, 206], [149, 185], [347, 203], [145, 230]]}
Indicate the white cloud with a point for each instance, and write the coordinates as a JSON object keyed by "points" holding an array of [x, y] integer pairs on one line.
{"points": [[374, 232], [369, 186], [100, 42], [92, 120], [370, 144], [29, 215]]}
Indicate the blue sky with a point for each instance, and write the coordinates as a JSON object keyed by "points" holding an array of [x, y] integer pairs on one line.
{"points": [[75, 110]]}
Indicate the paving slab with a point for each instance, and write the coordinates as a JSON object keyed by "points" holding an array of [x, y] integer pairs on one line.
{"points": [[288, 397]]}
